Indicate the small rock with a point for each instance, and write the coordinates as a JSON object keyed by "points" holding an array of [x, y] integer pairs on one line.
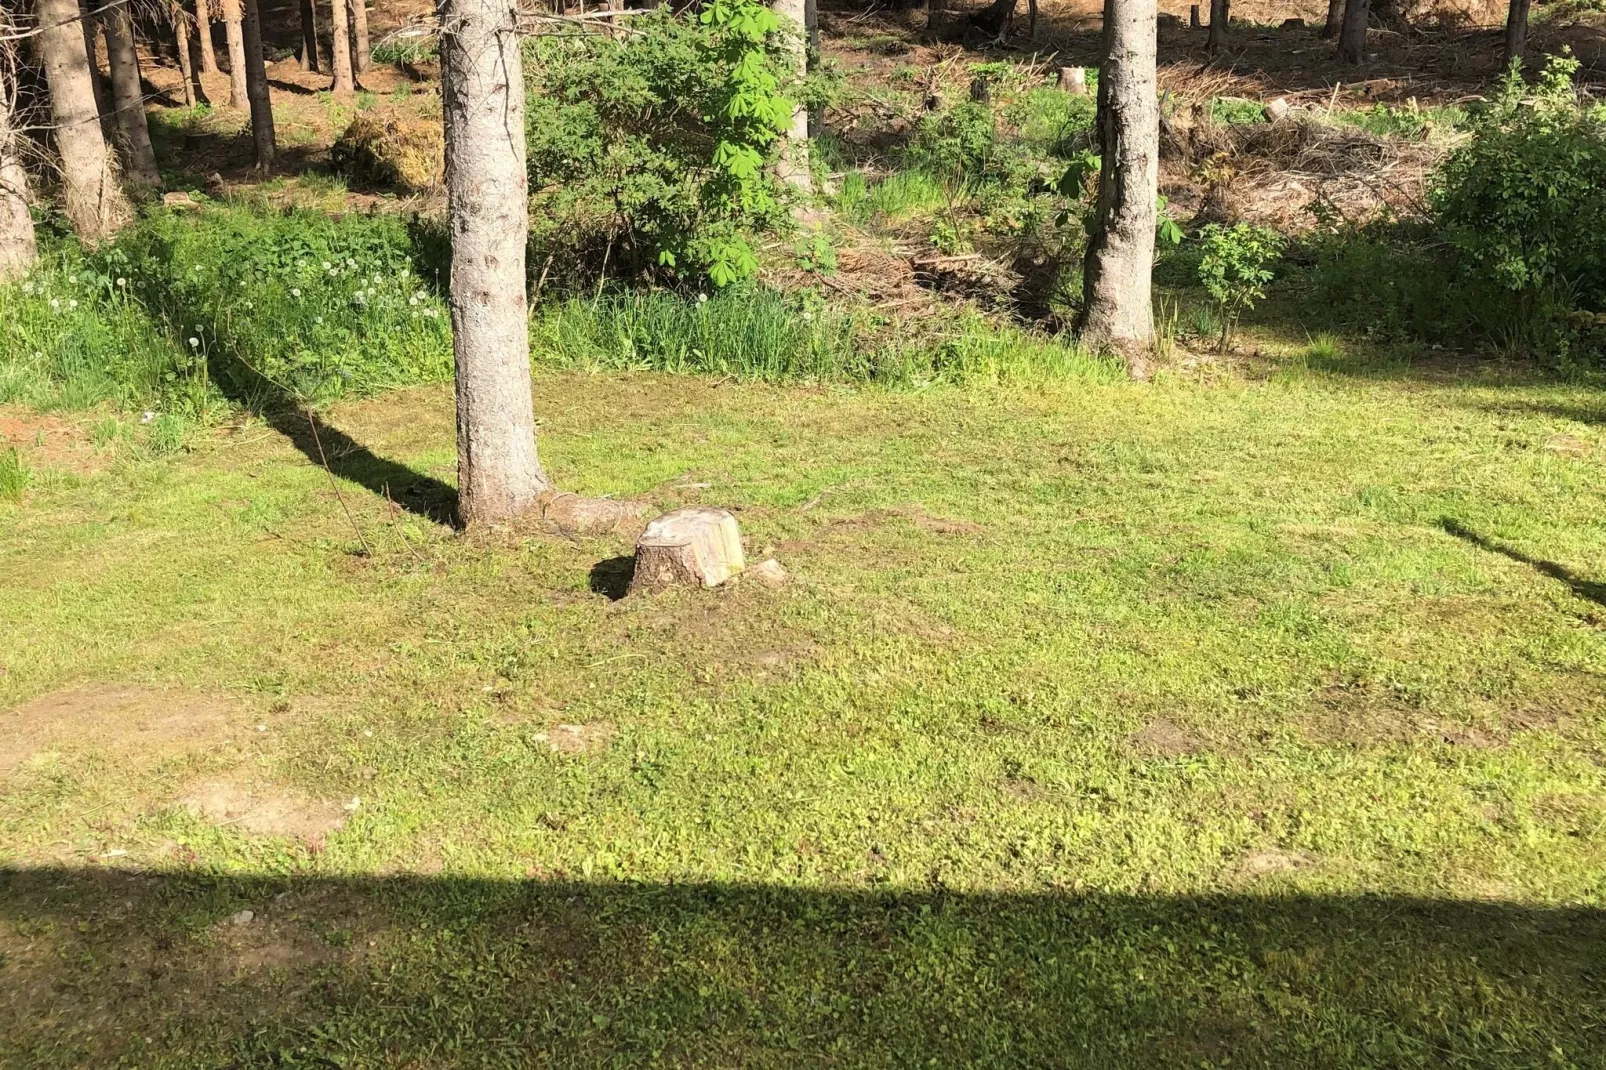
{"points": [[1277, 109], [242, 917], [769, 573], [179, 201], [215, 185]]}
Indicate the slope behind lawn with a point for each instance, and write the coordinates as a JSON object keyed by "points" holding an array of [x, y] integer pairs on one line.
{"points": [[1134, 725]]}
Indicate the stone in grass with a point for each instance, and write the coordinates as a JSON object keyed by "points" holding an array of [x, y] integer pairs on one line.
{"points": [[1278, 109], [698, 546], [769, 573]]}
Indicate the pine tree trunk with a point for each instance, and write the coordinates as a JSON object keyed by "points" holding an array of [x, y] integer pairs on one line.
{"points": [[1220, 23], [309, 37], [95, 203], [139, 159], [343, 85], [256, 84], [362, 59], [793, 166], [234, 29], [1516, 31], [1335, 19], [103, 89], [1352, 34], [811, 23], [181, 35], [1117, 271], [203, 35], [499, 473], [17, 246]]}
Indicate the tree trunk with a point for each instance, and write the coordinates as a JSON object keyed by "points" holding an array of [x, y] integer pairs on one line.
{"points": [[362, 57], [1352, 35], [103, 91], [343, 85], [1516, 31], [234, 29], [1335, 19], [181, 37], [203, 34], [309, 36], [1220, 23], [793, 166], [1117, 271], [94, 201], [811, 26], [499, 473], [17, 247], [139, 159], [256, 84]]}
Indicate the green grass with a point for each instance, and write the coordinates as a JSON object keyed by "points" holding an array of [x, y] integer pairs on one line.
{"points": [[900, 195], [1102, 724]]}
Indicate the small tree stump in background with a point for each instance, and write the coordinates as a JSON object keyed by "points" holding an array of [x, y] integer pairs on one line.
{"points": [[1073, 80], [1193, 18], [698, 546]]}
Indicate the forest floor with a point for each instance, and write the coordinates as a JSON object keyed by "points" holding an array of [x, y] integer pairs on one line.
{"points": [[1249, 716]]}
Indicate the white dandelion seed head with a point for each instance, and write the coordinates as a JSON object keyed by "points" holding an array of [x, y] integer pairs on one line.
{"points": [[194, 342]]}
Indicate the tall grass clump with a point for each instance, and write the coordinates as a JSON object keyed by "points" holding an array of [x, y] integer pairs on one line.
{"points": [[753, 332]]}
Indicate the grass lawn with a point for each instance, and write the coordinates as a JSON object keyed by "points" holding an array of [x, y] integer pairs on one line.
{"points": [[1256, 721]]}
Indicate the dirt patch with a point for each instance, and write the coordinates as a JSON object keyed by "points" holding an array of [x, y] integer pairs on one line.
{"points": [[1270, 860], [48, 441], [579, 738], [1161, 738], [266, 810], [136, 722]]}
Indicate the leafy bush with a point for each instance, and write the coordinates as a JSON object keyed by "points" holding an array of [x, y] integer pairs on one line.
{"points": [[1236, 111], [651, 148], [1235, 266], [1525, 198]]}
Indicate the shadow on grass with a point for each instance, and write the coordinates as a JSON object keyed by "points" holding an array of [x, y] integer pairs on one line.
{"points": [[329, 447], [611, 577], [1585, 589], [437, 971]]}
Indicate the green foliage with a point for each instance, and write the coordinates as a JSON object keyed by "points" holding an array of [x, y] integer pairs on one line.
{"points": [[656, 143], [1237, 110], [816, 252], [1413, 123], [14, 476], [398, 50], [1235, 266]]}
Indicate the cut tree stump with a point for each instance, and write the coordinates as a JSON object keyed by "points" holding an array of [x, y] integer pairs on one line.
{"points": [[1073, 80], [698, 546]]}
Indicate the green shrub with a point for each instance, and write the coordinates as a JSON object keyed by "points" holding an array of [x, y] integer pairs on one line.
{"points": [[1235, 266], [1236, 111], [651, 148]]}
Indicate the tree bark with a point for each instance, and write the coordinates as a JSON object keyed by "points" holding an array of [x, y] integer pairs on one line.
{"points": [[343, 85], [95, 203], [309, 36], [1516, 31], [811, 27], [181, 38], [362, 57], [1220, 23], [139, 159], [1116, 312], [17, 246], [1352, 34], [203, 35], [234, 29], [256, 84], [1335, 19], [103, 92], [499, 472], [793, 166]]}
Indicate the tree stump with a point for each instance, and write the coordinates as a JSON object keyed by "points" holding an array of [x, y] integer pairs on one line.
{"points": [[698, 546], [1073, 80], [1193, 18]]}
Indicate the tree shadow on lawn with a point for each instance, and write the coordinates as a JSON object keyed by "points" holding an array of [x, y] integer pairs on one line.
{"points": [[404, 970], [1585, 589]]}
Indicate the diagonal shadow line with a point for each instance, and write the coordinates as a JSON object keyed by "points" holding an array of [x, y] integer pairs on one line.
{"points": [[1582, 588]]}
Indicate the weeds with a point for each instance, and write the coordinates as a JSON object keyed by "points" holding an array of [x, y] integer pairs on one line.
{"points": [[14, 476]]}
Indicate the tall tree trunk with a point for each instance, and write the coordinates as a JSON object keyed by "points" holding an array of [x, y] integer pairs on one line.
{"points": [[811, 25], [793, 166], [362, 56], [234, 30], [499, 473], [1117, 272], [17, 247], [94, 200], [181, 35], [256, 84], [340, 51], [1220, 23], [203, 35], [1516, 31], [103, 89], [309, 36], [1335, 19], [139, 159], [1352, 35]]}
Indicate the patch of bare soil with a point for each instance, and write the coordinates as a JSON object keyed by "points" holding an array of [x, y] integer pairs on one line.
{"points": [[1161, 738], [130, 720], [48, 441], [1267, 861], [266, 810], [579, 738]]}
